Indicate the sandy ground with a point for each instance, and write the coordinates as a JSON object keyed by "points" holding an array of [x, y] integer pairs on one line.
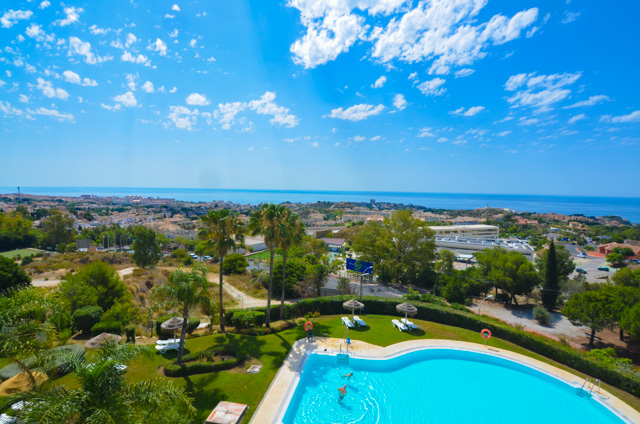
{"points": [[55, 277]]}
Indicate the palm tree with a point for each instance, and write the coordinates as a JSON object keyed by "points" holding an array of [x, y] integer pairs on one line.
{"points": [[266, 221], [102, 395], [185, 290], [291, 234], [223, 232]]}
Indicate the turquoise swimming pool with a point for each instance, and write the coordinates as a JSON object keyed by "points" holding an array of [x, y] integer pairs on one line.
{"points": [[437, 386]]}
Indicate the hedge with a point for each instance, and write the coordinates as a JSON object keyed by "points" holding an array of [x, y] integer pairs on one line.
{"points": [[193, 325], [544, 346], [85, 318], [196, 363], [247, 319], [60, 366], [113, 327]]}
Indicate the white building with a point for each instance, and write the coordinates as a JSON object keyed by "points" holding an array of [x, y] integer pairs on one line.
{"points": [[491, 232]]}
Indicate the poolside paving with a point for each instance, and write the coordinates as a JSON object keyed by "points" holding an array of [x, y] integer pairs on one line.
{"points": [[275, 401]]}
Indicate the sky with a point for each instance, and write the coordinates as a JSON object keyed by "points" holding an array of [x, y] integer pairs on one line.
{"points": [[468, 96]]}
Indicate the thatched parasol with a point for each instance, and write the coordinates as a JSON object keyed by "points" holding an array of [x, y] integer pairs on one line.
{"points": [[172, 324], [352, 304], [100, 339], [407, 309]]}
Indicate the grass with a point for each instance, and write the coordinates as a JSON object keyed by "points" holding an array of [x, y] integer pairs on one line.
{"points": [[244, 283], [271, 350], [22, 252]]}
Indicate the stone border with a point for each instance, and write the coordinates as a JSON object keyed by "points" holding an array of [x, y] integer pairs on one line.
{"points": [[274, 404]]}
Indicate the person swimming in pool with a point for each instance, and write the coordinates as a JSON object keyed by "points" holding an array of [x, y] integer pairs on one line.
{"points": [[348, 375], [343, 391]]}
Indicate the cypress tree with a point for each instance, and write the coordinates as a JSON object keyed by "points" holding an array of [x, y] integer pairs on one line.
{"points": [[550, 290]]}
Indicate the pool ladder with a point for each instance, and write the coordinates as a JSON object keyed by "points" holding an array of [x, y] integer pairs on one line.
{"points": [[344, 353], [590, 386]]}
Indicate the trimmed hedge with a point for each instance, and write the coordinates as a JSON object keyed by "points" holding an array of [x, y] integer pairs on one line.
{"points": [[202, 362], [247, 319], [193, 325], [85, 318], [276, 327], [549, 348], [113, 327]]}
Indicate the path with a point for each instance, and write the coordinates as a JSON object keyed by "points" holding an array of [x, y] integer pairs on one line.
{"points": [[52, 282]]}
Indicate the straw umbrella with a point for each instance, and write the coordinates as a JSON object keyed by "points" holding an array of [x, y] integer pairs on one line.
{"points": [[407, 308], [100, 339], [352, 304], [172, 324]]}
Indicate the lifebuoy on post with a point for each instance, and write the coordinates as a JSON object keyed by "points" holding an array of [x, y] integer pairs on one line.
{"points": [[308, 326], [486, 333]]}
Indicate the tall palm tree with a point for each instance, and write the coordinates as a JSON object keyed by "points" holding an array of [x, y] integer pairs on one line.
{"points": [[266, 221], [102, 395], [223, 232], [291, 234], [186, 291]]}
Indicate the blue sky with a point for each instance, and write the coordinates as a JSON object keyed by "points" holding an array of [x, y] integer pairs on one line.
{"points": [[475, 96]]}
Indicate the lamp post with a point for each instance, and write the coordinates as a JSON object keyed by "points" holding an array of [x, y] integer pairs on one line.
{"points": [[362, 278], [480, 307]]}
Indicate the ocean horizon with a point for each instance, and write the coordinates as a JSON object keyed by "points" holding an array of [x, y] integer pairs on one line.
{"points": [[625, 207]]}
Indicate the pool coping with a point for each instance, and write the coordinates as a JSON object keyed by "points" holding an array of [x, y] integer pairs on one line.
{"points": [[274, 404]]}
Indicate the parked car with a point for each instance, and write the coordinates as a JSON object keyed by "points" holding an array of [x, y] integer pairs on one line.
{"points": [[603, 268], [635, 261], [581, 271], [207, 258], [194, 256]]}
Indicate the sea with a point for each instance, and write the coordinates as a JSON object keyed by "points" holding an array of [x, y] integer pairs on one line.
{"points": [[625, 207]]}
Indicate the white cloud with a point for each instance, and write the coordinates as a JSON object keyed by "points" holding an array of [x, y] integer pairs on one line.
{"points": [[158, 46], [35, 31], [127, 99], [399, 102], [23, 99], [52, 113], [175, 7], [570, 17], [79, 47], [432, 87], [128, 57], [633, 117], [174, 33], [11, 17], [173, 90], [359, 138], [131, 81], [356, 112], [591, 101], [73, 15], [503, 133], [44, 4], [442, 140], [376, 138], [577, 118], [74, 78], [325, 39], [197, 99], [472, 111], [95, 30], [379, 82], [192, 43], [147, 87], [540, 91], [183, 118], [311, 9], [314, 144], [131, 38], [226, 112], [464, 72], [168, 16], [47, 89], [426, 132], [111, 108]]}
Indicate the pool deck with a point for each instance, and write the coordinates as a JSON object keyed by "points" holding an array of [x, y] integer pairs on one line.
{"points": [[275, 401]]}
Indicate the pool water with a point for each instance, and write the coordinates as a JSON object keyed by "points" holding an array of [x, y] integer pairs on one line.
{"points": [[437, 386]]}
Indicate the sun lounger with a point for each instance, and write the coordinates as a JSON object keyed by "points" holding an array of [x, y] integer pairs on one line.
{"points": [[7, 419], [409, 324], [164, 348], [346, 321], [399, 325], [359, 322], [167, 342]]}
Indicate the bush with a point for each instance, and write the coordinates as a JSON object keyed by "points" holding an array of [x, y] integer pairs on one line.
{"points": [[235, 263], [541, 315], [130, 331], [85, 318], [248, 319], [159, 322], [193, 324], [203, 362], [188, 260], [113, 327]]}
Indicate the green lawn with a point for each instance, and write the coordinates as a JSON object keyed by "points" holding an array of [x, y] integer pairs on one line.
{"points": [[208, 389], [21, 252]]}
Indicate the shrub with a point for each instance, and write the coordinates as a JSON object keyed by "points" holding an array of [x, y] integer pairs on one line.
{"points": [[174, 370], [541, 315], [113, 327], [248, 319], [235, 263], [188, 260], [130, 331], [85, 318], [193, 324]]}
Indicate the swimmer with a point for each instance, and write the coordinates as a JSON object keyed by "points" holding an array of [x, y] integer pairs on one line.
{"points": [[348, 375], [343, 391]]}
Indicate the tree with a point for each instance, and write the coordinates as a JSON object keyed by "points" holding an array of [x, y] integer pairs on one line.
{"points": [[456, 291], [616, 260], [444, 265], [186, 291], [627, 277], [344, 285], [235, 263], [589, 309], [102, 395], [11, 275], [400, 248], [627, 252], [291, 234], [510, 271], [58, 229], [551, 285], [315, 247], [315, 278], [267, 221], [146, 250], [76, 293], [620, 298], [630, 321], [104, 279], [222, 231]]}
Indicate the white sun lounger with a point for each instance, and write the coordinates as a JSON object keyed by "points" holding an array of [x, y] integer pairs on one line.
{"points": [[346, 321], [399, 325], [164, 348], [167, 342], [7, 419], [359, 322], [409, 324]]}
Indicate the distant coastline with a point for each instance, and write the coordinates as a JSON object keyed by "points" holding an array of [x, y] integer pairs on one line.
{"points": [[627, 208]]}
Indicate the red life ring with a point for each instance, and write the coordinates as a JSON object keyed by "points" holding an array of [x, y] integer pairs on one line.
{"points": [[308, 326], [486, 333]]}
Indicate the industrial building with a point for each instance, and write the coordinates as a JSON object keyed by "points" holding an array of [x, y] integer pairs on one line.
{"points": [[486, 232]]}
